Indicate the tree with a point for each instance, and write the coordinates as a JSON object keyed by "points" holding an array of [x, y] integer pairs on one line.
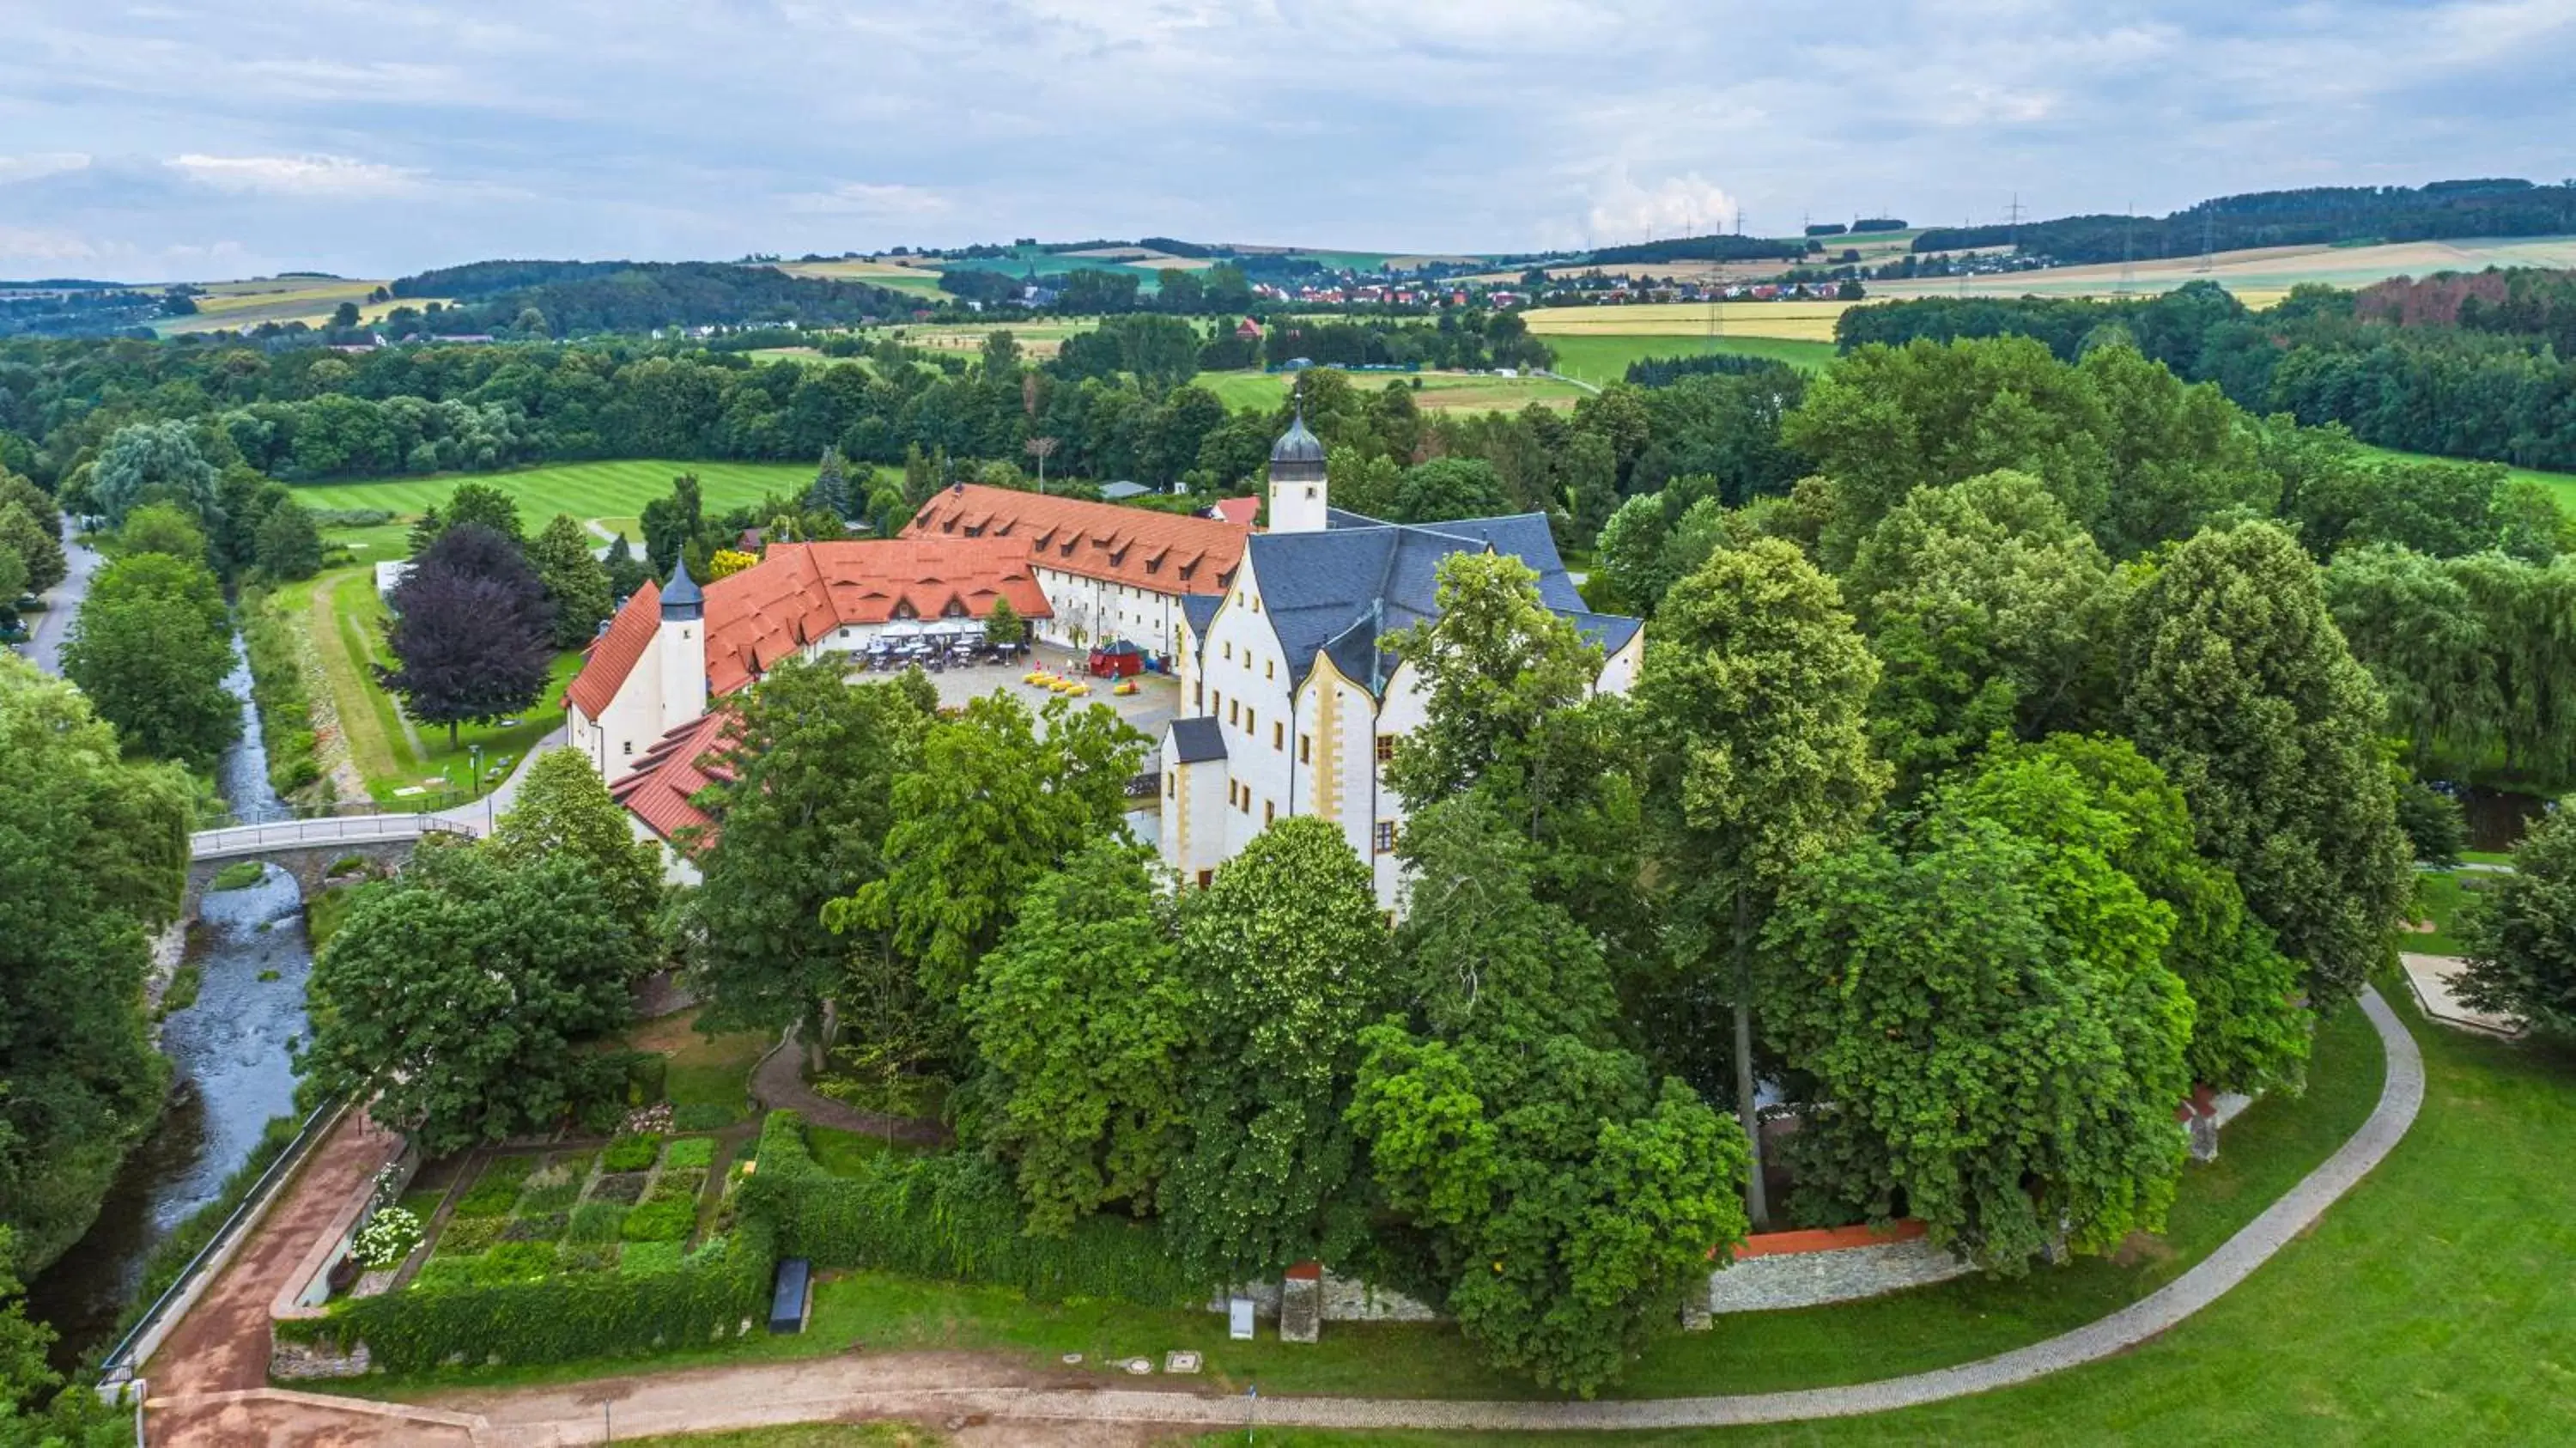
{"points": [[472, 633], [1081, 1018], [76, 1417], [37, 548], [152, 646], [1514, 1136], [803, 794], [1003, 627], [163, 528], [2520, 936], [576, 583], [563, 809], [1446, 488], [156, 462], [460, 990], [1993, 1037], [2238, 685], [2249, 1032], [726, 562], [484, 505], [625, 575], [1757, 756], [1493, 665], [2435, 826], [831, 490], [999, 797], [289, 545], [669, 523], [1287, 957], [93, 860], [1989, 610]]}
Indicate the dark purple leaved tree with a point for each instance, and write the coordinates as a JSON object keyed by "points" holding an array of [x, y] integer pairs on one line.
{"points": [[471, 633]]}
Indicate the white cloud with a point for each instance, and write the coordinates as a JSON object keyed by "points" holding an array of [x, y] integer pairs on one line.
{"points": [[312, 175], [45, 163], [893, 201], [1685, 205]]}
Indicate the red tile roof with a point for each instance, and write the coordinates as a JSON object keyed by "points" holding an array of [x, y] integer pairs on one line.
{"points": [[1237, 511], [612, 655], [658, 790], [1161, 552], [802, 591]]}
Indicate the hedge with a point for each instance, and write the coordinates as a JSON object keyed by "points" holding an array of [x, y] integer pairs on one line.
{"points": [[953, 1215], [711, 1295], [277, 685]]}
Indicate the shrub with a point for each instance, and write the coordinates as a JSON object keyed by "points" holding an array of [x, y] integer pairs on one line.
{"points": [[515, 1262], [668, 1220], [631, 1153], [443, 1272], [277, 686], [677, 1183], [621, 1187], [388, 1238], [702, 1116], [536, 1200], [239, 875], [464, 1236], [542, 1227], [952, 1215], [586, 1257], [594, 1222], [647, 1259], [646, 1073], [346, 865], [690, 1151]]}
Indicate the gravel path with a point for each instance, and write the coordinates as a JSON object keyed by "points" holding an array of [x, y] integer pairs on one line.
{"points": [[778, 1084]]}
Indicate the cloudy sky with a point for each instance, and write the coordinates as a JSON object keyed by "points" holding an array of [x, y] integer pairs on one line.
{"points": [[176, 140]]}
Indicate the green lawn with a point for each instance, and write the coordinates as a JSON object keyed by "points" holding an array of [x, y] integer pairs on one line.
{"points": [[1603, 360], [2561, 486], [2439, 896], [2429, 1306], [585, 490], [1440, 391], [2273, 1145]]}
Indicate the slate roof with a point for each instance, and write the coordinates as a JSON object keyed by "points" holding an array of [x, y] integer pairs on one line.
{"points": [[1195, 741], [1343, 591], [1200, 610]]}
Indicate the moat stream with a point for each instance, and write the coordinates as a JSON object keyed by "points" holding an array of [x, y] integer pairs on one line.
{"points": [[232, 1070]]}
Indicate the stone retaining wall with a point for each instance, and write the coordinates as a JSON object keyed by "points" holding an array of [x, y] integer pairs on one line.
{"points": [[1809, 1269], [1345, 1299]]}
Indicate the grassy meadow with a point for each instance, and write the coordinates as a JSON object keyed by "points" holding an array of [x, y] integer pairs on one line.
{"points": [[1440, 391], [1603, 359], [588, 491], [1783, 321], [2561, 486]]}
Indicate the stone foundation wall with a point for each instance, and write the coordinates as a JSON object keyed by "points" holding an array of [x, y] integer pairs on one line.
{"points": [[1809, 1269], [1345, 1299], [291, 1362]]}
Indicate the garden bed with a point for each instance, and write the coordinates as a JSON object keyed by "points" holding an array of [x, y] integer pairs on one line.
{"points": [[632, 1207]]}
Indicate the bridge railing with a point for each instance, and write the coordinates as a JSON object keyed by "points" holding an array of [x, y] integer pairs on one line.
{"points": [[295, 834]]}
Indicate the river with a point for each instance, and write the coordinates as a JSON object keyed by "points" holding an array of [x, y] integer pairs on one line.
{"points": [[231, 1053]]}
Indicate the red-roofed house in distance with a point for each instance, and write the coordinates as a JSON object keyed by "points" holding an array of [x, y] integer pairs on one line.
{"points": [[1112, 573], [645, 686]]}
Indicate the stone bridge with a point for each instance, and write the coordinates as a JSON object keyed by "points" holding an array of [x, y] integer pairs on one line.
{"points": [[307, 849]]}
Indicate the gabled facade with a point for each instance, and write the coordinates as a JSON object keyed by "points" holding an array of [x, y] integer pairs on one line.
{"points": [[1292, 699]]}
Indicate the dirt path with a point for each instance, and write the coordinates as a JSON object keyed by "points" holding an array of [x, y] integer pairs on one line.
{"points": [[778, 1085], [222, 1344]]}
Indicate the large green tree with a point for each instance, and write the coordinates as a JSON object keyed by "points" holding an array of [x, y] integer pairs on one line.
{"points": [[1756, 758], [34, 541], [1493, 666], [1082, 1018], [461, 991], [2238, 685], [93, 858], [998, 797], [563, 808], [1996, 1045], [288, 544], [1287, 957], [1989, 610], [2520, 935], [804, 772], [576, 582], [155, 462], [151, 647]]}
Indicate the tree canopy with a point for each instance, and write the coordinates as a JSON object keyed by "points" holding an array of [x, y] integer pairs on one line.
{"points": [[151, 647], [472, 633]]}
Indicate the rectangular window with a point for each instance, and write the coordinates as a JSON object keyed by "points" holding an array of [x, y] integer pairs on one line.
{"points": [[1385, 748], [1206, 878], [1246, 806], [628, 748], [1305, 749], [1269, 811], [1172, 785], [1279, 736], [1270, 668], [1251, 725], [1229, 651], [1385, 837], [1231, 715]]}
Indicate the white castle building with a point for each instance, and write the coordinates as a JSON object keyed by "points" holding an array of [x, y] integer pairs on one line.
{"points": [[1291, 698]]}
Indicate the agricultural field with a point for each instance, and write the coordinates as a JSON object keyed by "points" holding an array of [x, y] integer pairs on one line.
{"points": [[2260, 276], [1603, 359], [587, 491], [917, 281], [1440, 391], [238, 304], [1782, 321], [1039, 340]]}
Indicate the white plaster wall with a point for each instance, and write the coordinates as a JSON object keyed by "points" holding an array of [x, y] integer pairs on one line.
{"points": [[1619, 671], [1244, 670], [1399, 714], [1104, 610], [632, 722]]}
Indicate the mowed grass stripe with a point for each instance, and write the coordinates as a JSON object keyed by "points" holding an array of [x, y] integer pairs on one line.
{"points": [[584, 490]]}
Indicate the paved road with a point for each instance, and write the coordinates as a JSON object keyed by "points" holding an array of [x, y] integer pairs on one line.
{"points": [[61, 605], [1029, 1405]]}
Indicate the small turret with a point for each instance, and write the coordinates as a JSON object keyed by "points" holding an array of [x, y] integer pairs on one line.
{"points": [[1297, 482], [682, 647]]}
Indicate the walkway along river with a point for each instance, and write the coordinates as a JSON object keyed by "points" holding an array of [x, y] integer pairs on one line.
{"points": [[233, 1069]]}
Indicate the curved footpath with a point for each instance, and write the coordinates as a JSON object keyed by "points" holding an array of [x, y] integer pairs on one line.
{"points": [[933, 1385]]}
